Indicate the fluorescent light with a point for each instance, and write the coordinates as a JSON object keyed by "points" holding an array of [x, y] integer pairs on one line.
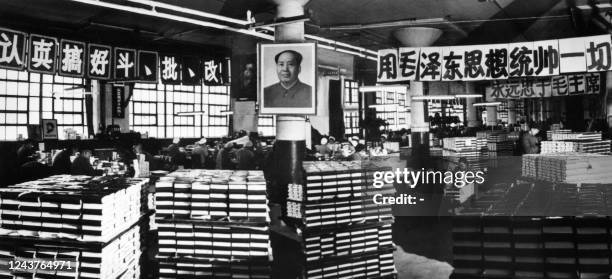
{"points": [[186, 113], [468, 96], [226, 112], [387, 88], [433, 97], [173, 17], [385, 107], [190, 11], [487, 104]]}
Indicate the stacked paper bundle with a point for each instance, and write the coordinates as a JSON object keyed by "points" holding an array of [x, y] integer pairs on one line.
{"points": [[213, 224], [564, 135], [559, 133], [119, 258], [212, 194], [344, 233], [471, 148], [92, 222], [596, 146], [568, 167], [74, 207], [336, 193], [435, 152], [557, 146]]}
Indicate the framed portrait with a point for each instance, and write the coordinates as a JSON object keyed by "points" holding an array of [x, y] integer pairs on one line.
{"points": [[287, 78], [49, 128]]}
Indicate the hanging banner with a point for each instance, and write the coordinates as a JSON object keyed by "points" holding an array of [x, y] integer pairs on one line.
{"points": [[520, 62], [546, 58], [214, 71], [71, 58], [598, 53], [387, 65], [42, 54], [99, 57], [125, 64], [191, 71], [496, 61], [407, 63], [147, 66], [430, 64], [12, 49], [117, 101], [562, 85], [169, 69], [500, 61]]}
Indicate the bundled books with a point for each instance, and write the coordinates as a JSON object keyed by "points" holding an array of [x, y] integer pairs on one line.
{"points": [[213, 224], [344, 234], [568, 135], [592, 146], [119, 258], [95, 223], [571, 167], [473, 149], [337, 193], [73, 207], [212, 194]]}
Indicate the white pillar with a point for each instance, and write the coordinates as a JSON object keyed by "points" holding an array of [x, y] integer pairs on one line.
{"points": [[511, 112], [471, 113], [491, 115], [418, 123]]}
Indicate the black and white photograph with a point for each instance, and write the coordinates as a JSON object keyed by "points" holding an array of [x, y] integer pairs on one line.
{"points": [[306, 139], [287, 78]]}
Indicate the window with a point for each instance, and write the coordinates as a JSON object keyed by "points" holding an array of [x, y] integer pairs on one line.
{"points": [[157, 109], [351, 123], [351, 94], [395, 110], [266, 125], [26, 97]]}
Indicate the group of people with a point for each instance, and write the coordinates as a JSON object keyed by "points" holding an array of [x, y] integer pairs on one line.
{"points": [[352, 149], [242, 152]]}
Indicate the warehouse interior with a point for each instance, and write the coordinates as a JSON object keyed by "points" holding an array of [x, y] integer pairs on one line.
{"points": [[177, 153]]}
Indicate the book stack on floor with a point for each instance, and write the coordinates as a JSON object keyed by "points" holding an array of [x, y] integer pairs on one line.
{"points": [[570, 167], [93, 222], [470, 148], [558, 133], [592, 146], [565, 135], [213, 224], [572, 242], [343, 233]]}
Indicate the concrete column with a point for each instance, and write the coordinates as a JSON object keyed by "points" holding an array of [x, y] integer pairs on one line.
{"points": [[96, 99], [491, 115], [608, 100], [289, 148], [472, 119], [511, 112]]}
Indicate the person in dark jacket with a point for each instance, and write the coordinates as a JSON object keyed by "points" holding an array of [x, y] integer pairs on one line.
{"points": [[81, 164], [529, 141], [245, 157]]}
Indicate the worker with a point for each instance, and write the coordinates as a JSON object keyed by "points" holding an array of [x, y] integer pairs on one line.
{"points": [[199, 154], [529, 141], [82, 165]]}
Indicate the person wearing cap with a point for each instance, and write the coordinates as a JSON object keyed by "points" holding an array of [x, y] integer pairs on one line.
{"points": [[224, 160], [324, 148], [199, 154]]}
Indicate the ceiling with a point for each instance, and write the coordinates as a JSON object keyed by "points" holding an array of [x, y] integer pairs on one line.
{"points": [[463, 21]]}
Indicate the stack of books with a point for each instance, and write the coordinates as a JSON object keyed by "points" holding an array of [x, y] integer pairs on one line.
{"points": [[473, 149], [343, 232], [95, 223], [590, 146], [568, 135], [213, 224], [569, 167]]}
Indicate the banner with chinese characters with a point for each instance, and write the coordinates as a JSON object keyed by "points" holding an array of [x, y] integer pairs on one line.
{"points": [[12, 49], [50, 55], [545, 87], [500, 61]]}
